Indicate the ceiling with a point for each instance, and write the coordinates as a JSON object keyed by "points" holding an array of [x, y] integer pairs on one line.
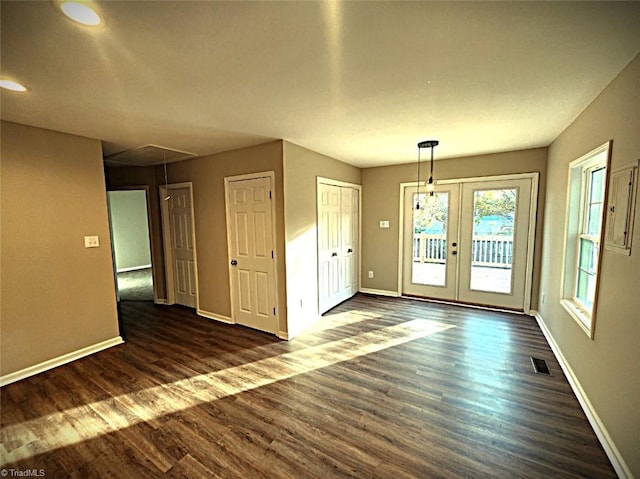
{"points": [[362, 82]]}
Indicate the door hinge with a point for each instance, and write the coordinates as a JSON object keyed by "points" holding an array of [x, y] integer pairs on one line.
{"points": [[269, 194], [274, 311], [272, 257]]}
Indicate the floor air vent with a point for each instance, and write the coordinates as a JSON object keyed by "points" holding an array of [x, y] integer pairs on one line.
{"points": [[540, 366]]}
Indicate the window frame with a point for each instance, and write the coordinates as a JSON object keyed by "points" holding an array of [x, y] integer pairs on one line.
{"points": [[580, 184]]}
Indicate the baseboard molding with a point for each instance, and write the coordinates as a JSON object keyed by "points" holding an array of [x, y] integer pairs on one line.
{"points": [[133, 268], [59, 361], [161, 301], [380, 292], [216, 317], [608, 445]]}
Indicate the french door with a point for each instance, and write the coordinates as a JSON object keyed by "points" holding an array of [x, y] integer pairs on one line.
{"points": [[469, 242]]}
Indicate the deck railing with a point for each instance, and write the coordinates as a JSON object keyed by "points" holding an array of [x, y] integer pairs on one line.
{"points": [[496, 251]]}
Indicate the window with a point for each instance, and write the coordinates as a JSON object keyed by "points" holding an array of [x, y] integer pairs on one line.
{"points": [[583, 235]]}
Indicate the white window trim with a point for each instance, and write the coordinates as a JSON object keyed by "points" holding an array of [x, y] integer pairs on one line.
{"points": [[573, 232]]}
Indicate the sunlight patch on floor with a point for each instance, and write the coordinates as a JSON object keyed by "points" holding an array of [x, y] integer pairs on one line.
{"points": [[65, 428], [332, 321]]}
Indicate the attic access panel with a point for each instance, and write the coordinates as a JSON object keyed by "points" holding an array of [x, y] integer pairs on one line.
{"points": [[147, 155]]}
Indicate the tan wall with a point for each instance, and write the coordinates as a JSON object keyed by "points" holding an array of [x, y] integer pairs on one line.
{"points": [[381, 201], [151, 177], [302, 167], [57, 296], [607, 367], [207, 176]]}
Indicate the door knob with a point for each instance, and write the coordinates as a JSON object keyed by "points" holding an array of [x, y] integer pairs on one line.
{"points": [[233, 262], [454, 252], [454, 244], [334, 254], [349, 250]]}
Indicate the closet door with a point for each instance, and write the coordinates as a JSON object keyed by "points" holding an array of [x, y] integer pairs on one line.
{"points": [[338, 227], [329, 246], [348, 243]]}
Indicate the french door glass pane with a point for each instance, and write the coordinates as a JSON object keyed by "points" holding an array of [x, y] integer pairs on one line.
{"points": [[494, 213], [430, 239]]}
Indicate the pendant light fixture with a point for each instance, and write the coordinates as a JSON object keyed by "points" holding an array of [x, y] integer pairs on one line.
{"points": [[429, 184]]}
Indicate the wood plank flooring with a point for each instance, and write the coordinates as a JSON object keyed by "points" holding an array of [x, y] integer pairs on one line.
{"points": [[381, 388]]}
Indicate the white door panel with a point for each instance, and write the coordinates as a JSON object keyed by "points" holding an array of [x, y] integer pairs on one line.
{"points": [[182, 246], [252, 269], [430, 245], [493, 267], [338, 229]]}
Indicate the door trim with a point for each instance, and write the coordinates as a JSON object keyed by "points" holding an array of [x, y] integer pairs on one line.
{"points": [[534, 176], [166, 241], [274, 236], [329, 181]]}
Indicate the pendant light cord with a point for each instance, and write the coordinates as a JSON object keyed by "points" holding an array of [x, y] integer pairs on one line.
{"points": [[431, 170], [418, 186]]}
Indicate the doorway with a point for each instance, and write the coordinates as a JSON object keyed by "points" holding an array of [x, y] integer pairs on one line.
{"points": [[471, 241], [250, 210], [131, 243]]}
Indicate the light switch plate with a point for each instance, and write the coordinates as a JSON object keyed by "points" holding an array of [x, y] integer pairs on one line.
{"points": [[91, 242], [384, 224]]}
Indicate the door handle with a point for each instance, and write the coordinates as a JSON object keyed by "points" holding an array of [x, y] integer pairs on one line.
{"points": [[334, 254], [234, 262], [454, 252], [349, 250], [454, 244]]}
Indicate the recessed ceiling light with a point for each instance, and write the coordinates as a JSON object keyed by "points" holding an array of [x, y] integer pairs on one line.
{"points": [[81, 12], [11, 85]]}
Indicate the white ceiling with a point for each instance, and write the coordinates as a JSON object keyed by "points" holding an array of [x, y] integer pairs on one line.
{"points": [[362, 82]]}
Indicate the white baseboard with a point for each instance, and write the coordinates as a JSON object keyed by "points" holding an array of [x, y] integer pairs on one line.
{"points": [[162, 301], [380, 292], [59, 361], [216, 317], [608, 445], [133, 268]]}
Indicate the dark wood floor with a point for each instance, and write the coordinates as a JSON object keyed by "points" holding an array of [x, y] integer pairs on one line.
{"points": [[381, 388]]}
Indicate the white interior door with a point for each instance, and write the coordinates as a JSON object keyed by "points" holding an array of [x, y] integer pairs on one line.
{"points": [[251, 262], [430, 244], [338, 231], [348, 278], [470, 242], [182, 246], [329, 245]]}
